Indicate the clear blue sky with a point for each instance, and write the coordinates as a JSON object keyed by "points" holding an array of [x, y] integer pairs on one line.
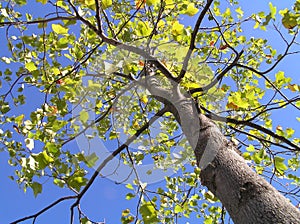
{"points": [[105, 199]]}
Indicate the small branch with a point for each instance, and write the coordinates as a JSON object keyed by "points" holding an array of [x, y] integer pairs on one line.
{"points": [[116, 152], [159, 65], [219, 77], [37, 21], [193, 39], [216, 117], [44, 209]]}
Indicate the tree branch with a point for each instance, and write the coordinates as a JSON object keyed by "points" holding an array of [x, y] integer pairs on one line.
{"points": [[219, 77], [116, 152], [216, 117], [38, 21], [44, 209], [193, 39]]}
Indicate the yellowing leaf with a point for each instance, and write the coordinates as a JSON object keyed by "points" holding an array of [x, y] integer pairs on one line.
{"points": [[191, 9], [289, 20], [84, 116], [293, 87], [47, 158], [19, 119], [178, 209], [240, 11], [105, 3], [59, 29], [273, 10], [144, 99], [139, 4], [191, 85], [177, 28], [30, 66], [169, 4], [42, 1], [152, 2]]}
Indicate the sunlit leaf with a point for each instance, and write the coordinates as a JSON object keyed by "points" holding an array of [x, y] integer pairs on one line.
{"points": [[105, 3], [177, 28], [59, 29], [191, 10], [30, 66]]}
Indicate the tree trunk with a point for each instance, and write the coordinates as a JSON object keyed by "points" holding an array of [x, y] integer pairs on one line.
{"points": [[247, 197]]}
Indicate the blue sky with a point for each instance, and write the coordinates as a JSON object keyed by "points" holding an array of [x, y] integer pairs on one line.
{"points": [[105, 200]]}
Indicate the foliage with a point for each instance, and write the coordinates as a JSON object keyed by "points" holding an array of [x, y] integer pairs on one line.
{"points": [[79, 63]]}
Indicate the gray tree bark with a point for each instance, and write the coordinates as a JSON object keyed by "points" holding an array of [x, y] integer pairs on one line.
{"points": [[247, 197]]}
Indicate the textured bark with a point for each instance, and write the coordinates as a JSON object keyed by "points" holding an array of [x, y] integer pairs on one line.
{"points": [[247, 197]]}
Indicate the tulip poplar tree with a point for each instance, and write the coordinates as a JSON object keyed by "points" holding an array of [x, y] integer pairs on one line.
{"points": [[203, 71]]}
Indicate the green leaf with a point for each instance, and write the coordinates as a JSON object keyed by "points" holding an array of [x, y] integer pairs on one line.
{"points": [[129, 196], [279, 164], [77, 182], [113, 135], [83, 116], [85, 220], [91, 159], [59, 182], [289, 20], [42, 159], [19, 119], [30, 66], [148, 212], [59, 29], [37, 188], [178, 209], [51, 147]]}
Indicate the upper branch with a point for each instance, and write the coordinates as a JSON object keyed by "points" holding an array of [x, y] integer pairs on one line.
{"points": [[220, 76], [116, 152], [216, 117], [193, 39]]}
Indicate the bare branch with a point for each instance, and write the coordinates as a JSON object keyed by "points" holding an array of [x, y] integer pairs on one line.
{"points": [[44, 209]]}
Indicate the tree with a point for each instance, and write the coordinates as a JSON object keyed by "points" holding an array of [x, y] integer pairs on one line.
{"points": [[102, 69]]}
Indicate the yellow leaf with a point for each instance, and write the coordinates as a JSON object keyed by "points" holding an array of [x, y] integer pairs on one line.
{"points": [[191, 85], [152, 2], [42, 1], [169, 4], [30, 66], [293, 87], [144, 99], [191, 9], [135, 125], [177, 28], [59, 29], [105, 3]]}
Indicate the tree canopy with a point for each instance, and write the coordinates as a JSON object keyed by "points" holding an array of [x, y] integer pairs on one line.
{"points": [[87, 71]]}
